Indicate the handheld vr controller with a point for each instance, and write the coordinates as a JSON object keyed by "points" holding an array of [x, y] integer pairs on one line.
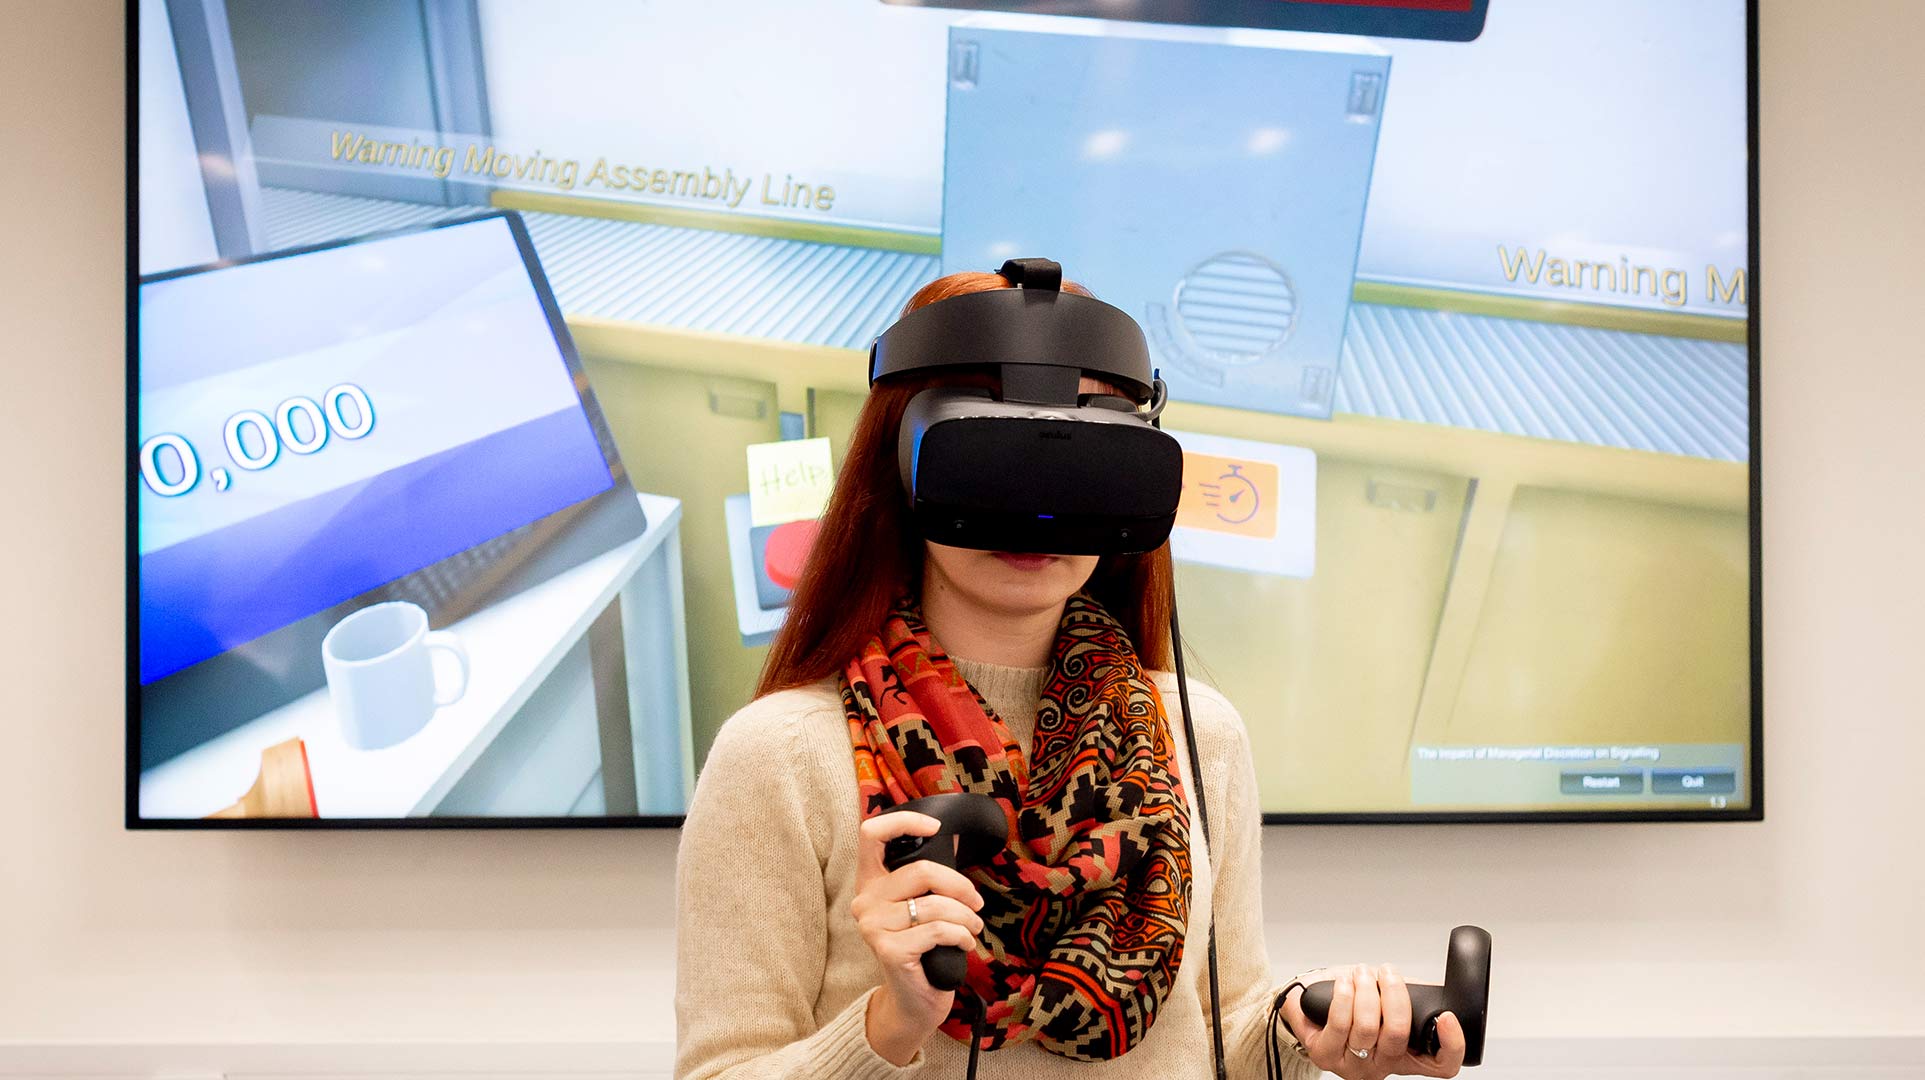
{"points": [[1466, 992], [973, 831]]}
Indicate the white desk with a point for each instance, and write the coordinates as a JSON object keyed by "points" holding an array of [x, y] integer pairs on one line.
{"points": [[533, 645]]}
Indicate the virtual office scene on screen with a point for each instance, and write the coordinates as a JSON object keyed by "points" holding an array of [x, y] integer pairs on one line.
{"points": [[494, 359]]}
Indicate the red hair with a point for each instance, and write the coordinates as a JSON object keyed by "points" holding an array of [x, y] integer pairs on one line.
{"points": [[868, 551]]}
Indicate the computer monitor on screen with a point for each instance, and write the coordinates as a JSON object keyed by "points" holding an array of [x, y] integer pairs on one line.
{"points": [[397, 418]]}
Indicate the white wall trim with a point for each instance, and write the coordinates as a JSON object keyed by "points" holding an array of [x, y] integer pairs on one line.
{"points": [[311, 1061], [1866, 1058]]}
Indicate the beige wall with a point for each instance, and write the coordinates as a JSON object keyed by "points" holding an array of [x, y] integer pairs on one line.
{"points": [[556, 937]]}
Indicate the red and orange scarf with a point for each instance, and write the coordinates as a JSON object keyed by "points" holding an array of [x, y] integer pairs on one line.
{"points": [[1084, 911]]}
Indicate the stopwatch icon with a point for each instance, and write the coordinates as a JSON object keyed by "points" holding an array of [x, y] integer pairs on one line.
{"points": [[1232, 496]]}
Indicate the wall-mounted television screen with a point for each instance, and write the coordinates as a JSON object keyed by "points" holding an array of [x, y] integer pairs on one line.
{"points": [[470, 341]]}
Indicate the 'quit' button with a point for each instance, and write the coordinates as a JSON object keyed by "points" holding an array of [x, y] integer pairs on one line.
{"points": [[1694, 781], [1608, 782]]}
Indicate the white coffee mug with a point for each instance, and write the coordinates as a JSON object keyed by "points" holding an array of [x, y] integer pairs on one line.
{"points": [[381, 677]]}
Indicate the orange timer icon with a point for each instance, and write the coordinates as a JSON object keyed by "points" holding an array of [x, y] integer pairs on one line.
{"points": [[1238, 498], [1234, 498]]}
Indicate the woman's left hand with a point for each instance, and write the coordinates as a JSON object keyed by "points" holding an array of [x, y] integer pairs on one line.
{"points": [[1370, 1012]]}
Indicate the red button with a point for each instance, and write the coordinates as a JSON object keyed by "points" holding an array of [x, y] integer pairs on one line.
{"points": [[788, 551]]}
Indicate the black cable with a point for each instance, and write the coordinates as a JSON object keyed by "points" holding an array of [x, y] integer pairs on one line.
{"points": [[1273, 1053], [1196, 777], [1203, 817], [977, 1013]]}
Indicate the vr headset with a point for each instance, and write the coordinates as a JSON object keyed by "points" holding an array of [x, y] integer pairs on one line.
{"points": [[1039, 466]]}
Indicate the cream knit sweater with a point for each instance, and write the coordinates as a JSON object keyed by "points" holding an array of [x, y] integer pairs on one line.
{"points": [[773, 978]]}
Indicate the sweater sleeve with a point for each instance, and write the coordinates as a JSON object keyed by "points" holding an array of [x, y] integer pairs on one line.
{"points": [[1236, 833], [749, 966]]}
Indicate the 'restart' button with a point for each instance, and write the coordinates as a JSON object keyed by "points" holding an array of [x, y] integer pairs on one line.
{"points": [[1607, 782]]}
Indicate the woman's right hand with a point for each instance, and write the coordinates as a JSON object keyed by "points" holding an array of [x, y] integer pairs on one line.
{"points": [[906, 1010]]}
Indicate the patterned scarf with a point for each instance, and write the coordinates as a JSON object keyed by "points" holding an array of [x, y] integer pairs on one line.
{"points": [[1084, 911]]}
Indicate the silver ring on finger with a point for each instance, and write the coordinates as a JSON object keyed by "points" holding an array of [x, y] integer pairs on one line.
{"points": [[913, 917], [1360, 1053]]}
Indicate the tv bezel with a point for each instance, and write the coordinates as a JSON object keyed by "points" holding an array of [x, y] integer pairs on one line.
{"points": [[1752, 811], [1347, 17]]}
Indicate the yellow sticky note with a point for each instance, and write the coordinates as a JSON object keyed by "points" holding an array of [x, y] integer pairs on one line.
{"points": [[1229, 495], [789, 480]]}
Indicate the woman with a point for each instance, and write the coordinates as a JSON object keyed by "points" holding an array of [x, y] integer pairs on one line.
{"points": [[905, 665]]}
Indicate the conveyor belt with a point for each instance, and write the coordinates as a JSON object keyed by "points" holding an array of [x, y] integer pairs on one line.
{"points": [[296, 218], [1548, 380], [1545, 380]]}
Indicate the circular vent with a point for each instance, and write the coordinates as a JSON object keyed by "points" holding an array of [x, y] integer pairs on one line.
{"points": [[1237, 307]]}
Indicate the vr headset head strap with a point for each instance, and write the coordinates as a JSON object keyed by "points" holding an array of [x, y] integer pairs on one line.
{"points": [[1040, 338], [1045, 275]]}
